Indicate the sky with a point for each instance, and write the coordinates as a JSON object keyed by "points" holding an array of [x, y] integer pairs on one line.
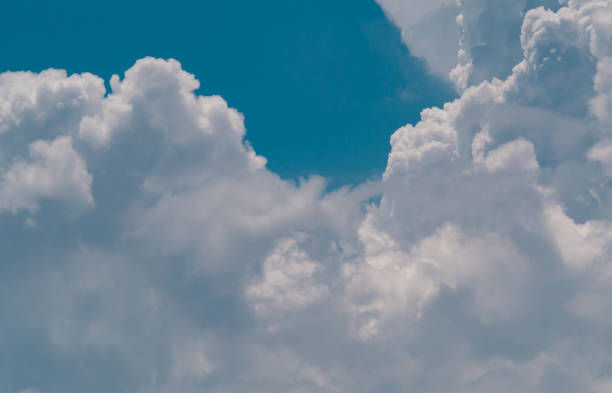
{"points": [[366, 197], [295, 69]]}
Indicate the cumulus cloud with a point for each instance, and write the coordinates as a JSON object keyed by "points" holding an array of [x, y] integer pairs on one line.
{"points": [[478, 262], [476, 182], [287, 280], [178, 192], [51, 100], [468, 41], [405, 282], [56, 171]]}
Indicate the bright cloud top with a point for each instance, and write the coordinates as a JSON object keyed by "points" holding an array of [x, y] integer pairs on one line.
{"points": [[479, 262]]}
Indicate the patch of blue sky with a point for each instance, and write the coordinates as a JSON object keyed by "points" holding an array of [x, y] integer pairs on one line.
{"points": [[322, 84]]}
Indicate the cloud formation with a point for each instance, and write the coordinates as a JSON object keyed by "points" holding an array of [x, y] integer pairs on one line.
{"points": [[56, 171], [479, 262], [469, 41]]}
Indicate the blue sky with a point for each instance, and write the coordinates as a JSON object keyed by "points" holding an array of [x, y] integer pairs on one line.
{"points": [[322, 84], [306, 197]]}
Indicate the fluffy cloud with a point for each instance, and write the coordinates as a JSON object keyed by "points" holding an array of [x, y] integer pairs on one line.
{"points": [[287, 280], [479, 262], [178, 192], [467, 40], [50, 100], [56, 171], [482, 211]]}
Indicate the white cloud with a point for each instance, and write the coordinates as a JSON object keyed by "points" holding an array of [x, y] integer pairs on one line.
{"points": [[190, 196], [429, 29], [400, 282], [288, 279], [203, 177], [478, 214], [56, 171], [432, 175], [579, 244], [50, 98]]}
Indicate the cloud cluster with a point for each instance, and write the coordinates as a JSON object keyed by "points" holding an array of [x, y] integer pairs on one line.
{"points": [[479, 262]]}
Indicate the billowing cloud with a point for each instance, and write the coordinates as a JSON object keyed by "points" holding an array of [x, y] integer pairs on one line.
{"points": [[287, 280], [55, 171], [479, 262], [50, 100], [467, 40], [487, 183]]}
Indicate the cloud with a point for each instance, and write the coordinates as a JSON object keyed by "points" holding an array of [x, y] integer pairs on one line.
{"points": [[478, 262], [178, 192], [287, 280], [469, 41], [429, 29], [50, 98], [475, 186], [405, 282], [444, 151], [56, 171]]}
